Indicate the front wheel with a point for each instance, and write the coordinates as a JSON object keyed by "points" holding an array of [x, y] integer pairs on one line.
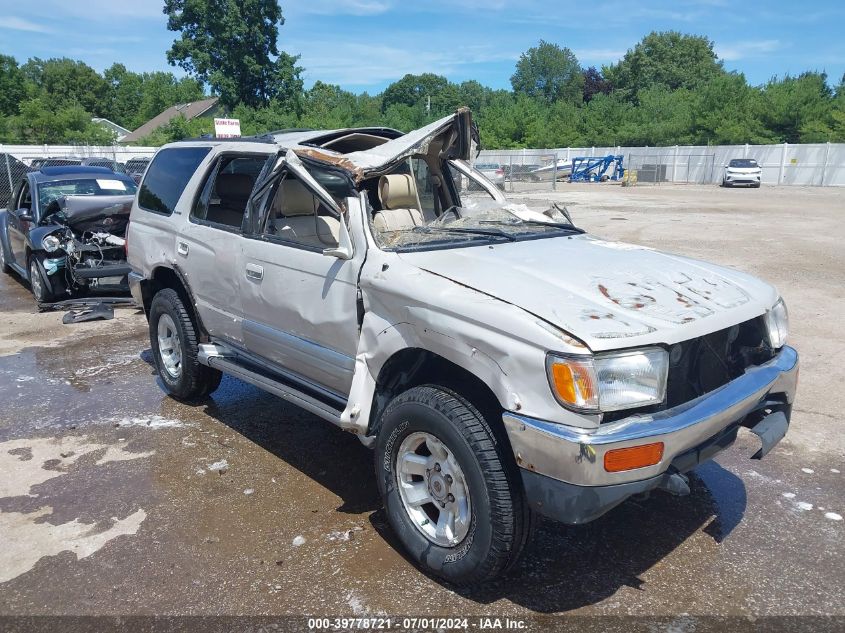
{"points": [[451, 490], [174, 342], [38, 282]]}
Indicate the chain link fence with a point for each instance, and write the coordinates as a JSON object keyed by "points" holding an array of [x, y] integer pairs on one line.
{"points": [[17, 160], [679, 168]]}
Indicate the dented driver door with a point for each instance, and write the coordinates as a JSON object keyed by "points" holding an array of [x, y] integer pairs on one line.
{"points": [[299, 285]]}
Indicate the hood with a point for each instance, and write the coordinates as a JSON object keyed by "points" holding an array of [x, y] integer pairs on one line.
{"points": [[610, 295], [108, 214]]}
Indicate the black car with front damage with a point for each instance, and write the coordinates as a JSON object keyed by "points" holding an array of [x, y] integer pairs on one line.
{"points": [[64, 231]]}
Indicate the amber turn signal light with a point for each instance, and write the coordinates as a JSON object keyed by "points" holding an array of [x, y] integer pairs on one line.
{"points": [[620, 459]]}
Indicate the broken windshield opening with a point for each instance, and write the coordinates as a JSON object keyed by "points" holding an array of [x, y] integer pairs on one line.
{"points": [[426, 201], [464, 226]]}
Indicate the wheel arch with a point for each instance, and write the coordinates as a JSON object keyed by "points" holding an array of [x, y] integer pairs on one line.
{"points": [[163, 277], [414, 366]]}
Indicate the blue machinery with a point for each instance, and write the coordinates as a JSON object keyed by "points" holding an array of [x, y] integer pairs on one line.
{"points": [[596, 168]]}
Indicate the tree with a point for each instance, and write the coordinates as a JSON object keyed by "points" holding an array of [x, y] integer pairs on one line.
{"points": [[415, 90], [725, 112], [669, 60], [231, 46], [798, 109], [549, 72], [12, 86], [64, 80], [595, 83], [125, 91], [43, 122]]}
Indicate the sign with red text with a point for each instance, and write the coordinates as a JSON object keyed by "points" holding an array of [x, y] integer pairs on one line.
{"points": [[227, 128]]}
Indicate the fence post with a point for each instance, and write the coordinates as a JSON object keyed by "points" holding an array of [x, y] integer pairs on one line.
{"points": [[824, 165], [745, 151], [510, 172], [675, 164], [9, 174], [554, 174], [782, 163]]}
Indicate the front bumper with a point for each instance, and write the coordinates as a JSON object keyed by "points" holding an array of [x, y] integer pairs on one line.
{"points": [[563, 463], [743, 179]]}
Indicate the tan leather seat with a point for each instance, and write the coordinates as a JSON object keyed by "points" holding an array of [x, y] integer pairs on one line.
{"points": [[294, 217], [400, 204]]}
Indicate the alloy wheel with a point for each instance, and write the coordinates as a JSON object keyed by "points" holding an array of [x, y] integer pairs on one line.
{"points": [[169, 346], [433, 489]]}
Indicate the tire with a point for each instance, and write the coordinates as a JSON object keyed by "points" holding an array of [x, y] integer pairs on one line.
{"points": [[4, 261], [757, 185], [40, 285], [180, 371], [487, 539]]}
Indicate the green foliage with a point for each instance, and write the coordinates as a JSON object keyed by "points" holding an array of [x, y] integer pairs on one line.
{"points": [[59, 125], [68, 81], [669, 60], [669, 89], [549, 72], [798, 109], [12, 86], [231, 46]]}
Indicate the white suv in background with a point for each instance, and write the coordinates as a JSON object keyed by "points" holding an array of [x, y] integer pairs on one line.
{"points": [[742, 171]]}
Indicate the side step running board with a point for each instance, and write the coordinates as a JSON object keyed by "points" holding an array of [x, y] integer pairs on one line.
{"points": [[229, 365]]}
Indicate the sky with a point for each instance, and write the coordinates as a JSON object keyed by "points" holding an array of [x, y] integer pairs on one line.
{"points": [[364, 45]]}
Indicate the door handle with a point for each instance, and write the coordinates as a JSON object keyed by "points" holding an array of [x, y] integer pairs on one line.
{"points": [[254, 271], [182, 248]]}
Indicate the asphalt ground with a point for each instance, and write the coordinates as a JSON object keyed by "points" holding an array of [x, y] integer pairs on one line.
{"points": [[117, 500]]}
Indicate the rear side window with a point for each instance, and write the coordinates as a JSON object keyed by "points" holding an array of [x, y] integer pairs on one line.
{"points": [[167, 176]]}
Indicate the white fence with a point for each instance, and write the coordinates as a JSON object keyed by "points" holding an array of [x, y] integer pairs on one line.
{"points": [[119, 153], [816, 164]]}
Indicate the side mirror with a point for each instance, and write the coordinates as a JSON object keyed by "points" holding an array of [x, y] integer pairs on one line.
{"points": [[25, 215], [343, 250]]}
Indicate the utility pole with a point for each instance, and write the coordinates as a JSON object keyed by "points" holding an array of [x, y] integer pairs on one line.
{"points": [[428, 104]]}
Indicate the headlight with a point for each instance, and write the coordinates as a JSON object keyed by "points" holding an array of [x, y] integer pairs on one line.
{"points": [[51, 243], [609, 382], [777, 324]]}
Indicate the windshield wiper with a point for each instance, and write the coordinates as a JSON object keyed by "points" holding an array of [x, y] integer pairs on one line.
{"points": [[454, 229], [555, 225]]}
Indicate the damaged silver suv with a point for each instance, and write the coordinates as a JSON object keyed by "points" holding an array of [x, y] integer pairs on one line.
{"points": [[501, 362]]}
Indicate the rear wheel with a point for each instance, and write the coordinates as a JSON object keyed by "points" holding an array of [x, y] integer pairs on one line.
{"points": [[174, 342], [452, 492]]}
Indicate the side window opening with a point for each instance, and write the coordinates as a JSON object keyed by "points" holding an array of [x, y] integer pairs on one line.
{"points": [[297, 216], [227, 189], [25, 198], [167, 176], [467, 188]]}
